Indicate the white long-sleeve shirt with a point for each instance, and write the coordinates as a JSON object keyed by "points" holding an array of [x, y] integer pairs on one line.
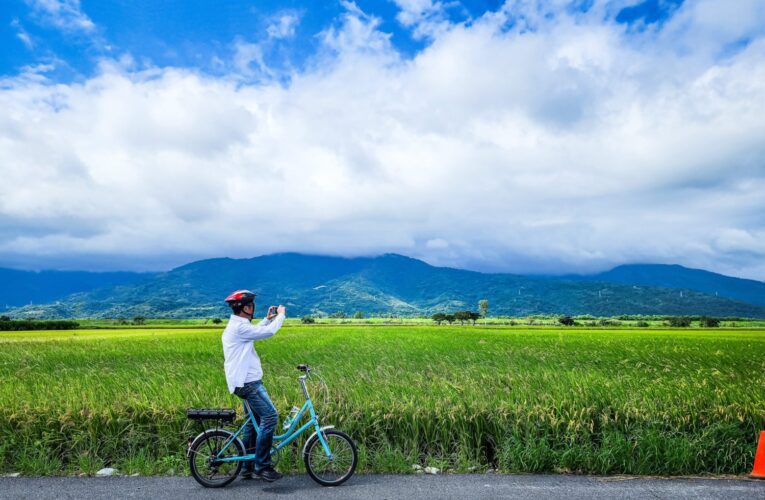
{"points": [[242, 363]]}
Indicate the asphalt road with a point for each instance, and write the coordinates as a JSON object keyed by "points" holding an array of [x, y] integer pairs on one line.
{"points": [[473, 486]]}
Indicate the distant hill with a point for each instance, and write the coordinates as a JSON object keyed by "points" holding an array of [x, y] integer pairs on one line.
{"points": [[18, 288], [390, 283], [674, 276]]}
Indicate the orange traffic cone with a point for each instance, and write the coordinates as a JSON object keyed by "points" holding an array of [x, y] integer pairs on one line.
{"points": [[759, 459]]}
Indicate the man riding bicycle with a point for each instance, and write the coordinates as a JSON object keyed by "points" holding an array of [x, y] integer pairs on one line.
{"points": [[244, 377]]}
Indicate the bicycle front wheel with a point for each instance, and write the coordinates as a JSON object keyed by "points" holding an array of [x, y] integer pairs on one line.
{"points": [[338, 469], [203, 454]]}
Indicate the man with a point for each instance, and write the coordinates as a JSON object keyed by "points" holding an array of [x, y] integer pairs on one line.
{"points": [[244, 377]]}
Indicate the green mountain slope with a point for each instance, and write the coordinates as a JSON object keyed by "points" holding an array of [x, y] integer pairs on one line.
{"points": [[18, 288], [381, 285], [674, 276]]}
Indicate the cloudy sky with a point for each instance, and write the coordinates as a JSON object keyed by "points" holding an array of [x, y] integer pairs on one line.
{"points": [[524, 136]]}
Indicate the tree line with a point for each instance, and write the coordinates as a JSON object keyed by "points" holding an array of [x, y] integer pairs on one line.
{"points": [[464, 316], [13, 325], [461, 316], [673, 321]]}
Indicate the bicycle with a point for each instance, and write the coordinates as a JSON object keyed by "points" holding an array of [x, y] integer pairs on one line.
{"points": [[216, 455]]}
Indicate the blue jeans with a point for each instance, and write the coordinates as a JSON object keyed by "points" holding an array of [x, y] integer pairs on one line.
{"points": [[266, 417]]}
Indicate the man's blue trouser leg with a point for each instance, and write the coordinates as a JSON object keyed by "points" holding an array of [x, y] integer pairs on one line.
{"points": [[266, 417]]}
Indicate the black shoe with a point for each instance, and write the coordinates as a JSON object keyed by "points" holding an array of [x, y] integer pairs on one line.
{"points": [[269, 474], [246, 475]]}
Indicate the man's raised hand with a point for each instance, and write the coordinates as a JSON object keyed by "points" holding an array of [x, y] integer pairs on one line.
{"points": [[271, 313]]}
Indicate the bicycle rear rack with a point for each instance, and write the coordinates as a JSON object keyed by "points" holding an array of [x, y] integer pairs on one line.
{"points": [[201, 415]]}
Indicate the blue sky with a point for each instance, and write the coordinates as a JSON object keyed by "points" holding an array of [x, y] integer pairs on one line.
{"points": [[196, 34], [524, 136]]}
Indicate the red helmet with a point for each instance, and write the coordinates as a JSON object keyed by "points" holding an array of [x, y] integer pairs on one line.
{"points": [[240, 298]]}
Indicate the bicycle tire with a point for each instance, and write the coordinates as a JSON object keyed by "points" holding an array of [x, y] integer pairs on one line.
{"points": [[206, 447], [345, 458]]}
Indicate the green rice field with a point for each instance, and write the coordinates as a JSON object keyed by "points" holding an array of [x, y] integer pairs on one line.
{"points": [[472, 398]]}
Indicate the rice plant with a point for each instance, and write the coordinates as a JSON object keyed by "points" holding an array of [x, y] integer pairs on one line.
{"points": [[513, 399]]}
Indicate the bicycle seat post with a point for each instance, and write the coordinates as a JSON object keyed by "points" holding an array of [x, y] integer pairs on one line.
{"points": [[307, 370], [302, 384]]}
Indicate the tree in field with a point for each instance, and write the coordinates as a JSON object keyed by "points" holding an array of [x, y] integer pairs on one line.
{"points": [[5, 318], [483, 308], [450, 318], [462, 316], [307, 320], [566, 321], [439, 318], [708, 322], [359, 315], [338, 315], [680, 321], [473, 316], [217, 321], [139, 320]]}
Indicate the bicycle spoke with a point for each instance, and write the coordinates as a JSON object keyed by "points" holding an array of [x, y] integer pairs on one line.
{"points": [[339, 465], [210, 446], [204, 460]]}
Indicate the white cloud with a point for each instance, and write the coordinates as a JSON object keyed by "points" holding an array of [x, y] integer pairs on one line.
{"points": [[283, 26], [572, 146], [357, 33], [249, 60], [22, 34], [437, 243], [66, 15], [427, 18], [711, 26]]}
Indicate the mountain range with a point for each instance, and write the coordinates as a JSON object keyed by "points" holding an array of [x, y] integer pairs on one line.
{"points": [[18, 288], [674, 276], [388, 284]]}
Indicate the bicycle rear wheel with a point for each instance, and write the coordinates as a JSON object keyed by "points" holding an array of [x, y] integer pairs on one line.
{"points": [[209, 472], [335, 471]]}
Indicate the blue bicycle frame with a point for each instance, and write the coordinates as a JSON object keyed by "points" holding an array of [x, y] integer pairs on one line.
{"points": [[283, 439]]}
